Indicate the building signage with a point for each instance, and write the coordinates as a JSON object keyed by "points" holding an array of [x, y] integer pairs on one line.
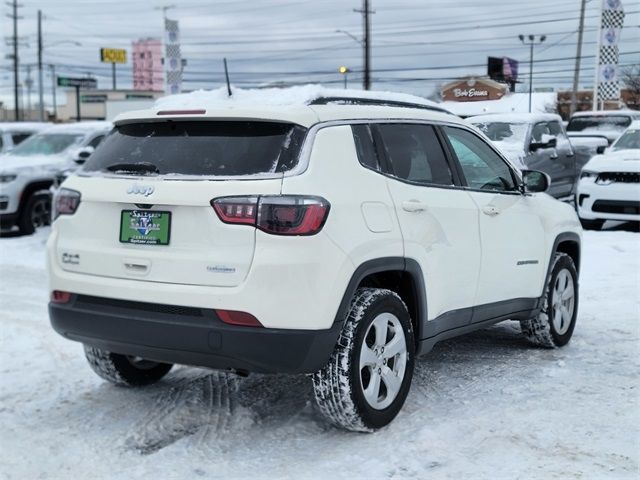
{"points": [[84, 83], [473, 89], [113, 55], [469, 92]]}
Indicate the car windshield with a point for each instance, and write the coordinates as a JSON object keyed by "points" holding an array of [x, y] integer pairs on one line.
{"points": [[504, 131], [598, 122], [630, 140], [207, 148], [47, 144]]}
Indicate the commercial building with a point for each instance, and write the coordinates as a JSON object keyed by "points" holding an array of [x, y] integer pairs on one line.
{"points": [[93, 103]]}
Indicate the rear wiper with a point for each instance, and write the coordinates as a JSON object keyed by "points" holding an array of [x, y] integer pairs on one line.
{"points": [[139, 167]]}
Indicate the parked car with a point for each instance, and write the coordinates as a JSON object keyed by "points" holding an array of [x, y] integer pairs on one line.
{"points": [[537, 141], [609, 187], [338, 240], [28, 171], [14, 133], [607, 124]]}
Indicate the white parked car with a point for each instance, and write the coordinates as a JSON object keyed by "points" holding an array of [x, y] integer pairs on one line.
{"points": [[608, 124], [13, 134], [609, 187], [27, 172], [329, 237]]}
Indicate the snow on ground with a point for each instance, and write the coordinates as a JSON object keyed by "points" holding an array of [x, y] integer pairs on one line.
{"points": [[482, 406]]}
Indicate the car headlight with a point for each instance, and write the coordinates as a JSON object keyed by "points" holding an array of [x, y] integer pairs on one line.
{"points": [[6, 178], [588, 174]]}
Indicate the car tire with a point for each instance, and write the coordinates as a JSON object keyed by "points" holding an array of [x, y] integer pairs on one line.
{"points": [[553, 326], [592, 224], [362, 388], [35, 213], [125, 370]]}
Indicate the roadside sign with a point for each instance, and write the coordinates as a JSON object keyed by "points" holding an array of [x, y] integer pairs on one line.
{"points": [[113, 55], [84, 83]]}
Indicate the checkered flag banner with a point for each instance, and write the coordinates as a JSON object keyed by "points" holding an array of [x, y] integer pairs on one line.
{"points": [[172, 57], [610, 27]]}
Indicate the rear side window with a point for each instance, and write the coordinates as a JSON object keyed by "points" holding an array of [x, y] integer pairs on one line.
{"points": [[415, 153], [18, 138], [216, 148], [365, 147]]}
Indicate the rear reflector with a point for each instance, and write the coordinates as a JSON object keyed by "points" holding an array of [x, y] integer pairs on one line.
{"points": [[58, 296], [275, 214], [181, 112], [233, 317]]}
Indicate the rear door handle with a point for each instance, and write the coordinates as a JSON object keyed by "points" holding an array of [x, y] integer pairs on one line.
{"points": [[413, 206], [490, 210]]}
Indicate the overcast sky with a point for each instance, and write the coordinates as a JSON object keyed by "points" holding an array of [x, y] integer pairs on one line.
{"points": [[417, 44]]}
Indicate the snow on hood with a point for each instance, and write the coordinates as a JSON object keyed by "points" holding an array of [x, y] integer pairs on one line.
{"points": [[275, 97], [615, 161], [514, 152], [39, 163]]}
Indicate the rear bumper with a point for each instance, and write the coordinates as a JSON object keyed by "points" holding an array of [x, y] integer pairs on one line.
{"points": [[190, 336]]}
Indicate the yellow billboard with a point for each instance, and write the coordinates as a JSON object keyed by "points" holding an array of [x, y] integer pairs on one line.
{"points": [[113, 55]]}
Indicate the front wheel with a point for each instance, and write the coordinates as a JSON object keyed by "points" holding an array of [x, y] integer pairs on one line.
{"points": [[553, 326], [367, 379], [125, 370], [36, 213]]}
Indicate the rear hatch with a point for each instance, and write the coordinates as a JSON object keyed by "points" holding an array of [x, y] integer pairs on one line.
{"points": [[145, 210]]}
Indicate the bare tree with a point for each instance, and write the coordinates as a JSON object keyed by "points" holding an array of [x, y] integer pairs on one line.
{"points": [[631, 80]]}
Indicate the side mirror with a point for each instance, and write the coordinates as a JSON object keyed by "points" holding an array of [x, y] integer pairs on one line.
{"points": [[83, 154], [534, 181], [547, 141], [601, 149]]}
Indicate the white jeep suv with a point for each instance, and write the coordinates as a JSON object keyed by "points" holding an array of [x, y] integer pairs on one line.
{"points": [[334, 238]]}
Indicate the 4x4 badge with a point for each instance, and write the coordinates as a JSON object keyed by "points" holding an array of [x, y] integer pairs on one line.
{"points": [[145, 190]]}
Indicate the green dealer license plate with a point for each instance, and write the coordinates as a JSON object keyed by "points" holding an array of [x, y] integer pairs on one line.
{"points": [[145, 227]]}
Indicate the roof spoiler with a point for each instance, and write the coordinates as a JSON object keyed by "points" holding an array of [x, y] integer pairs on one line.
{"points": [[378, 102]]}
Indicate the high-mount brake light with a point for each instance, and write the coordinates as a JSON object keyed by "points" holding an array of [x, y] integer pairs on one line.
{"points": [[275, 214], [66, 202], [182, 112]]}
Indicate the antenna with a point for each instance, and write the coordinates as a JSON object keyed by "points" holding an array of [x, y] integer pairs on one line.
{"points": [[226, 75]]}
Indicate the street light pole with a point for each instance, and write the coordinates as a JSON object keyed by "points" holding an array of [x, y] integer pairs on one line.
{"points": [[344, 71], [532, 40], [40, 85]]}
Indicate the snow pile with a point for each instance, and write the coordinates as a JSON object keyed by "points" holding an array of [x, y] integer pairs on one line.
{"points": [[275, 97], [512, 103]]}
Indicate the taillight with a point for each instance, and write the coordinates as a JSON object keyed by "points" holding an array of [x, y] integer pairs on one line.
{"points": [[66, 202], [277, 214], [58, 296], [243, 319]]}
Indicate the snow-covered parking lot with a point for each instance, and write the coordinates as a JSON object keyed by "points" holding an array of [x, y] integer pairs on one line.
{"points": [[485, 405]]}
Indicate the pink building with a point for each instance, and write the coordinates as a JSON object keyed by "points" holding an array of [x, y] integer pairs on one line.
{"points": [[147, 64]]}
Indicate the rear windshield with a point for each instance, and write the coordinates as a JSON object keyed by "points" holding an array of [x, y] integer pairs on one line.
{"points": [[215, 148], [598, 122]]}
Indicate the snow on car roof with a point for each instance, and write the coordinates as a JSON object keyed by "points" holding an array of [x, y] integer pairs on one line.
{"points": [[514, 117], [23, 126], [79, 127], [594, 113], [304, 105]]}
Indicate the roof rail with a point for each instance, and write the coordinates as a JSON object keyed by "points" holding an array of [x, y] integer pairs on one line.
{"points": [[378, 102]]}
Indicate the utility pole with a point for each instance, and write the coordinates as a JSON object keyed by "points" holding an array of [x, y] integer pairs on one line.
{"points": [[576, 72], [40, 82], [53, 90], [28, 82], [16, 80], [366, 44]]}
